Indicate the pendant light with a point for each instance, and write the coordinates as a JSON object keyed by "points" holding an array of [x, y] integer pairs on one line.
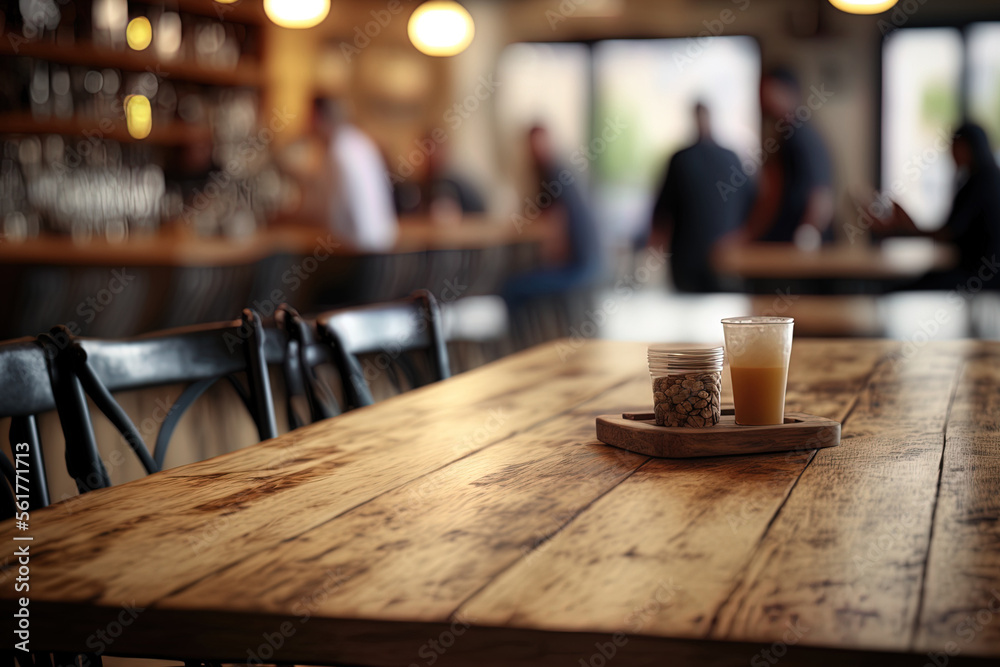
{"points": [[441, 28], [863, 6], [297, 13]]}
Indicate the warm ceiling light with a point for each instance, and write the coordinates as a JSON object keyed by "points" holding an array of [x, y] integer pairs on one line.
{"points": [[441, 28], [139, 33], [297, 13], [226, 2], [138, 116], [863, 6]]}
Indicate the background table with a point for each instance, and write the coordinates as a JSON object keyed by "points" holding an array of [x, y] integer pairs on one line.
{"points": [[478, 522], [835, 269]]}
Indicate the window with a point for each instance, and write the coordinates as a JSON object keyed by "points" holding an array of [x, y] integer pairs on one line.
{"points": [[627, 106], [984, 78], [650, 87], [545, 84], [924, 99]]}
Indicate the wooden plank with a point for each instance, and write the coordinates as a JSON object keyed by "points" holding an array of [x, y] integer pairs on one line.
{"points": [[844, 559], [194, 520], [976, 410], [671, 538], [440, 537], [907, 396], [828, 375], [683, 528], [961, 600]]}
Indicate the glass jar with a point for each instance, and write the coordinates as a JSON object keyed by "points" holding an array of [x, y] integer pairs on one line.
{"points": [[687, 385]]}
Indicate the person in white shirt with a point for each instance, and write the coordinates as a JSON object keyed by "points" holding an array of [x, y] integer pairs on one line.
{"points": [[361, 210]]}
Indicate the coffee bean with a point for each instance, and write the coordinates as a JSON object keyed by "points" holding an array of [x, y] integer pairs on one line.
{"points": [[687, 399], [660, 413]]}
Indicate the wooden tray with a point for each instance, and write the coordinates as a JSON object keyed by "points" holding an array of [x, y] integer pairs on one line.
{"points": [[638, 432]]}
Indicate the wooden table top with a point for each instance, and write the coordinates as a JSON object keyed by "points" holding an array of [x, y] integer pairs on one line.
{"points": [[477, 521], [895, 259]]}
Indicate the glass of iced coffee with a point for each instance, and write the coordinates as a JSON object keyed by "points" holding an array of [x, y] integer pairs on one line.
{"points": [[758, 349]]}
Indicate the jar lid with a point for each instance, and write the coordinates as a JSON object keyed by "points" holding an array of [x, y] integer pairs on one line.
{"points": [[663, 359], [758, 320], [664, 351]]}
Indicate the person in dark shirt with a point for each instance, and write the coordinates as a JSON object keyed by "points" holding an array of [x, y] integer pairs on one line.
{"points": [[973, 225], [691, 213], [574, 258], [436, 188], [797, 194], [443, 182]]}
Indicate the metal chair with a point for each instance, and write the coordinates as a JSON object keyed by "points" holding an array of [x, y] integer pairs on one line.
{"points": [[200, 355], [390, 331], [25, 392], [58, 372]]}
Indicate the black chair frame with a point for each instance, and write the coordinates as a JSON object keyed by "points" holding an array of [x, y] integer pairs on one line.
{"points": [[199, 355], [302, 354], [25, 392], [392, 329]]}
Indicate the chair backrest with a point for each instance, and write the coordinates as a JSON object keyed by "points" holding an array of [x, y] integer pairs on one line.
{"points": [[390, 330], [303, 353], [199, 355], [25, 392]]}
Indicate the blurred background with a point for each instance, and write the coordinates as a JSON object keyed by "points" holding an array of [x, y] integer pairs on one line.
{"points": [[632, 169]]}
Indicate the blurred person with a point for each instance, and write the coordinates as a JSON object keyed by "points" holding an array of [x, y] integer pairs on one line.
{"points": [[573, 250], [438, 190], [796, 194], [446, 187], [973, 224], [691, 215], [360, 207]]}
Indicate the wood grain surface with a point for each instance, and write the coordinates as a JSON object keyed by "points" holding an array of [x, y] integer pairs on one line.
{"points": [[478, 522]]}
